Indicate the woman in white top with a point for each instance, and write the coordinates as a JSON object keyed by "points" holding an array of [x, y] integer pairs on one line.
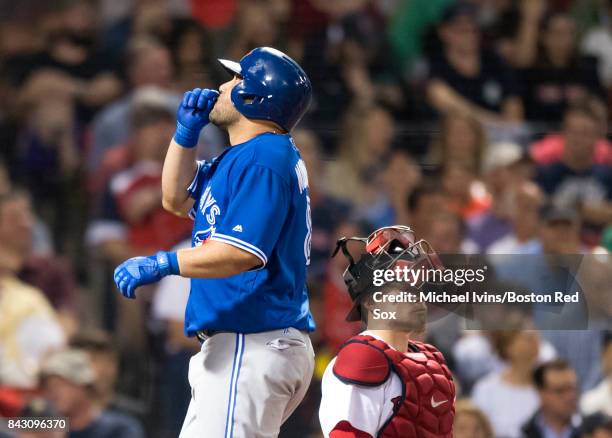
{"points": [[508, 397]]}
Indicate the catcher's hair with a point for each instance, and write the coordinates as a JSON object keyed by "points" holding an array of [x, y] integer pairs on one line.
{"points": [[466, 407]]}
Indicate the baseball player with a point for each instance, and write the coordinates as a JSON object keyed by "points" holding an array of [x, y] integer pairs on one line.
{"points": [[383, 383], [248, 303]]}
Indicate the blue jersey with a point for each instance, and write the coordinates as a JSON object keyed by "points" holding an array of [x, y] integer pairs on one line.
{"points": [[253, 196]]}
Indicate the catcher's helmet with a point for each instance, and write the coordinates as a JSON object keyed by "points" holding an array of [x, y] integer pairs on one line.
{"points": [[385, 248], [273, 87]]}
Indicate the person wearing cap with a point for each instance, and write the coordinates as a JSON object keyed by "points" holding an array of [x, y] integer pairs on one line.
{"points": [[40, 408], [370, 388], [68, 381], [597, 425], [466, 79]]}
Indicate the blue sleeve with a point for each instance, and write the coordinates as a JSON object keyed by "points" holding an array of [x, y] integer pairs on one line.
{"points": [[198, 184], [259, 204], [199, 180]]}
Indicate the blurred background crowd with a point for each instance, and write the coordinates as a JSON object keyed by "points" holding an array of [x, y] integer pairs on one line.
{"points": [[482, 124]]}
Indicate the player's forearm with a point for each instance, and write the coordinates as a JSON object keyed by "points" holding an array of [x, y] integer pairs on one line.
{"points": [[178, 173], [215, 260]]}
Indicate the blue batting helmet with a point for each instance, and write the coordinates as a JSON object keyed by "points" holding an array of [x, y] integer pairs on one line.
{"points": [[273, 87]]}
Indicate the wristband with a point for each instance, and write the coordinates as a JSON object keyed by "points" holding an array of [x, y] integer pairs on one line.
{"points": [[168, 263], [185, 137]]}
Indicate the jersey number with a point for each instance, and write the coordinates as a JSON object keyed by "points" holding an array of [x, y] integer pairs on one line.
{"points": [[308, 239]]}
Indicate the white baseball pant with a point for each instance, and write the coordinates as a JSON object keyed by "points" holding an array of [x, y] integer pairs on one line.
{"points": [[247, 385]]}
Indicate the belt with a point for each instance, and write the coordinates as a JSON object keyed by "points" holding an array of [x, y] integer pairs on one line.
{"points": [[204, 335]]}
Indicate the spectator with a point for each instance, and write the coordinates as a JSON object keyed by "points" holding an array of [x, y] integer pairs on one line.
{"points": [[526, 199], [68, 381], [39, 408], [517, 29], [149, 64], [38, 266], [25, 311], [49, 154], [461, 139], [564, 328], [474, 352], [558, 76], [557, 386], [596, 426], [447, 234], [508, 397], [399, 176], [500, 169], [104, 360], [599, 399], [72, 64], [147, 18], [42, 244], [598, 43], [409, 26], [470, 422], [550, 149], [120, 156], [560, 230], [466, 194], [577, 181], [255, 27], [365, 140], [426, 201], [467, 79], [5, 182], [191, 47], [132, 220]]}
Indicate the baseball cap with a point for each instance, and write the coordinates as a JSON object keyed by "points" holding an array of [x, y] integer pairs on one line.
{"points": [[38, 407], [556, 213], [457, 10], [501, 155], [72, 365], [594, 422], [151, 96]]}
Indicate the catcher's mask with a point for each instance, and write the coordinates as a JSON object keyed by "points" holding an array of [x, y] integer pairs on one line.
{"points": [[385, 248]]}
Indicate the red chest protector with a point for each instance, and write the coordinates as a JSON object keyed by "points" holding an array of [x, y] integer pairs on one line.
{"points": [[426, 408]]}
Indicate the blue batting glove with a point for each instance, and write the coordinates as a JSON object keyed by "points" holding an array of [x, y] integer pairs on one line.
{"points": [[192, 115], [139, 271]]}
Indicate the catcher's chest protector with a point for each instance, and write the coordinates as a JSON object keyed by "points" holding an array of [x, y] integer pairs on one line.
{"points": [[427, 406]]}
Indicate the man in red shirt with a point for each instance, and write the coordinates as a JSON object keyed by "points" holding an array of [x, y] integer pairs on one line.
{"points": [[383, 383]]}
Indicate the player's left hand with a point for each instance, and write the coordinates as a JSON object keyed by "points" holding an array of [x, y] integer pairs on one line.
{"points": [[139, 271]]}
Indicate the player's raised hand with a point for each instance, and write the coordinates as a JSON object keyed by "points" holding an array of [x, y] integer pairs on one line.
{"points": [[139, 271], [192, 115]]}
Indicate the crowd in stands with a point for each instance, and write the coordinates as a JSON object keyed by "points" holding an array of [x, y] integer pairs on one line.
{"points": [[481, 124]]}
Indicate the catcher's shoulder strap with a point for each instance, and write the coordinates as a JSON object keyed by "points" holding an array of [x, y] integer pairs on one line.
{"points": [[359, 362]]}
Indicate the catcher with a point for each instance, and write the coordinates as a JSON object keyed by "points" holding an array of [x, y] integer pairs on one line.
{"points": [[383, 383]]}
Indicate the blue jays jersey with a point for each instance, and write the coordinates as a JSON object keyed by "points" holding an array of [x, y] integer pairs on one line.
{"points": [[253, 196]]}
